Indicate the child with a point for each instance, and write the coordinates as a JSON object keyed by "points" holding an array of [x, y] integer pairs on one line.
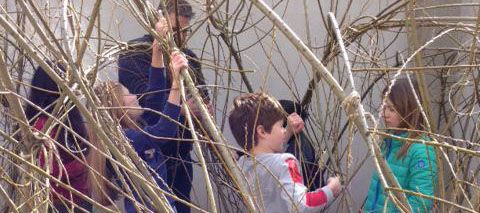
{"points": [[113, 94], [45, 94], [257, 122], [413, 164]]}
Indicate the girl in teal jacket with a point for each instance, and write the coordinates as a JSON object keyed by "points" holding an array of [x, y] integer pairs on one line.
{"points": [[413, 164]]}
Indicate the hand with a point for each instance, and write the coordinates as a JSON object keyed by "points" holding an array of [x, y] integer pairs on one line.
{"points": [[162, 28], [178, 62], [334, 184], [295, 124], [157, 56]]}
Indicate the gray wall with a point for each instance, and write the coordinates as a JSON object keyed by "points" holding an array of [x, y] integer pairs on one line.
{"points": [[290, 65]]}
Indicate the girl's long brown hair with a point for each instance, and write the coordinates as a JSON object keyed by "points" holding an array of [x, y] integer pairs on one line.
{"points": [[110, 95], [100, 190], [403, 100]]}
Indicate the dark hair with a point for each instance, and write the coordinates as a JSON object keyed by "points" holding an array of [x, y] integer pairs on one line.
{"points": [[403, 100], [249, 111], [44, 93], [291, 107], [184, 8]]}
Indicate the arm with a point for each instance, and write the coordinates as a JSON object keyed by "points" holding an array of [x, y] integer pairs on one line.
{"points": [[296, 194], [164, 129], [157, 83], [422, 176], [178, 62], [155, 100]]}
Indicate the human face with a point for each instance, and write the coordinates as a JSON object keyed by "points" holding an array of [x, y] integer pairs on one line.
{"points": [[390, 115], [183, 24], [276, 138], [130, 100]]}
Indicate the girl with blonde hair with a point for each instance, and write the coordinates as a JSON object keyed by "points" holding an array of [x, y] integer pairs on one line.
{"points": [[149, 139]]}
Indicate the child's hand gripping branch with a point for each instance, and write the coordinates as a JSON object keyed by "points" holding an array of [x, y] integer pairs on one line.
{"points": [[157, 56], [334, 184], [177, 63], [295, 125]]}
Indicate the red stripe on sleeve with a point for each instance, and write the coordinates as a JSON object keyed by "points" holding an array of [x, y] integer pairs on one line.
{"points": [[317, 198], [293, 170]]}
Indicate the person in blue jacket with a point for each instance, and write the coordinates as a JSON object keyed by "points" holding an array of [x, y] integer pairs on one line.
{"points": [[133, 74], [149, 139], [413, 164]]}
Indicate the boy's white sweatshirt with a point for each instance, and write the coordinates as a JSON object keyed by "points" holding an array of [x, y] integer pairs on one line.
{"points": [[276, 181]]}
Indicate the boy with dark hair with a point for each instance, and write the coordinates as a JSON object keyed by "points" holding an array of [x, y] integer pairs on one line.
{"points": [[257, 122]]}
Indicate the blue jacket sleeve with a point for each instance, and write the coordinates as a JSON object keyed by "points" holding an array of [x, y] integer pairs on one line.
{"points": [[156, 95], [165, 128], [422, 176]]}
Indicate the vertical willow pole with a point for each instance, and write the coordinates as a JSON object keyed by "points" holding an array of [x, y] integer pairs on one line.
{"points": [[355, 109]]}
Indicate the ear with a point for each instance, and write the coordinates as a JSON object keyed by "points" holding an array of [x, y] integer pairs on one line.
{"points": [[260, 130]]}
